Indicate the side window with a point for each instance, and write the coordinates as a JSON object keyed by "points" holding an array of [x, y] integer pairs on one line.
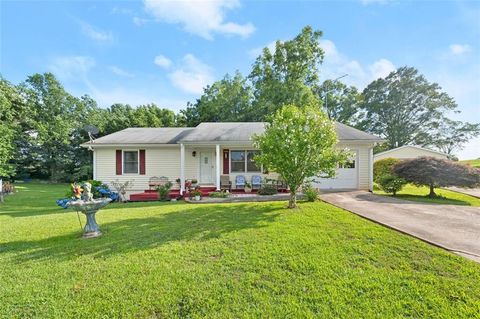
{"points": [[130, 162]]}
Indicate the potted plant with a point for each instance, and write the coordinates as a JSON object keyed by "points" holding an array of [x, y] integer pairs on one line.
{"points": [[196, 194], [248, 187]]}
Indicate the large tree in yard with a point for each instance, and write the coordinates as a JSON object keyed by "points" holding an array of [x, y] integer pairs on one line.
{"points": [[405, 108], [298, 144], [287, 75], [435, 172]]}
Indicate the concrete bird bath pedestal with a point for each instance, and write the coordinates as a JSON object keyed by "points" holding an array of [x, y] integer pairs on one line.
{"points": [[89, 206]]}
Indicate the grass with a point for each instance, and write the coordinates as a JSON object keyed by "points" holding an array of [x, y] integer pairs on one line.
{"points": [[245, 260], [419, 194], [473, 162]]}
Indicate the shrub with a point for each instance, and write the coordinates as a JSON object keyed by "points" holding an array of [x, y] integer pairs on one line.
{"points": [[391, 183], [311, 194], [267, 190], [164, 190], [221, 194], [383, 167], [434, 172]]}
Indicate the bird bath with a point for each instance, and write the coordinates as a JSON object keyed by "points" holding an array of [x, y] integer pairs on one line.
{"points": [[89, 206]]}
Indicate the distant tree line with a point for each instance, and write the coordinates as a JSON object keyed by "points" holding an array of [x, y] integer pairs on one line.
{"points": [[42, 125]]}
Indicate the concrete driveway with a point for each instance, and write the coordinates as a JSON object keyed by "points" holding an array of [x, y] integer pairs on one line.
{"points": [[475, 192], [455, 228]]}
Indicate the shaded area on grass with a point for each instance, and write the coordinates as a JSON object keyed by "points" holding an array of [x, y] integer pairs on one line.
{"points": [[134, 234], [420, 194]]}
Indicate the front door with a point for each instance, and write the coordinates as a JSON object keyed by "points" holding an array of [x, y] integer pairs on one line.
{"points": [[206, 167]]}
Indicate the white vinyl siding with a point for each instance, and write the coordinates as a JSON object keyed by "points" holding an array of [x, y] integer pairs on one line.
{"points": [[165, 161]]}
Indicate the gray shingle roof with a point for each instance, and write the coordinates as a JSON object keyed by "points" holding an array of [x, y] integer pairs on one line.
{"points": [[150, 135], [212, 132]]}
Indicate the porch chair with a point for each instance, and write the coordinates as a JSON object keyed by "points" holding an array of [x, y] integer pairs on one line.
{"points": [[240, 181], [256, 182], [225, 183]]}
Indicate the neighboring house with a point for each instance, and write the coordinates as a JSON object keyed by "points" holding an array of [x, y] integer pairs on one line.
{"points": [[409, 152], [209, 150]]}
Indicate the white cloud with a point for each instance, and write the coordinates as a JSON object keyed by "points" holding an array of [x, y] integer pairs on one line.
{"points": [[139, 21], [381, 68], [336, 64], [120, 72], [459, 49], [71, 67], [192, 76], [202, 18], [162, 61], [96, 34]]}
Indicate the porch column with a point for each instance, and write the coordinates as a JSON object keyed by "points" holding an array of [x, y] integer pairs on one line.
{"points": [[182, 169], [217, 166], [370, 169]]}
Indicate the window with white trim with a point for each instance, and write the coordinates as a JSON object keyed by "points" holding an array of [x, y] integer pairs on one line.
{"points": [[130, 162], [242, 161]]}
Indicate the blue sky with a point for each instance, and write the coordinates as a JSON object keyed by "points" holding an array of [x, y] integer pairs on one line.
{"points": [[166, 51]]}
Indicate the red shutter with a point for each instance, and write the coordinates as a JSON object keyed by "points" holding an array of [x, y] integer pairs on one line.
{"points": [[226, 162], [142, 162], [119, 162]]}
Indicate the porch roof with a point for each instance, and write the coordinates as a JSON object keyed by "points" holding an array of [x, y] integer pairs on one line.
{"points": [[210, 132]]}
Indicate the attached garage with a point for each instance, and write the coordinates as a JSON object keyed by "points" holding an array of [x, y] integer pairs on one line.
{"points": [[346, 176]]}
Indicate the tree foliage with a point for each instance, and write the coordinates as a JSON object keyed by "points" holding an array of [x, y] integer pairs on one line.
{"points": [[340, 102], [434, 172], [299, 143], [12, 117], [404, 107], [287, 75], [227, 100]]}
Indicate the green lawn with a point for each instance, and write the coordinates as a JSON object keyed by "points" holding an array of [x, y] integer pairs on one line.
{"points": [[473, 162], [419, 194], [221, 261]]}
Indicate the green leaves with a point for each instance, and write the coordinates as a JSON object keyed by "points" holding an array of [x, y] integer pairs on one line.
{"points": [[299, 144]]}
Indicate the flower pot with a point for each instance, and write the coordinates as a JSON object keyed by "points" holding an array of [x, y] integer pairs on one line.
{"points": [[248, 190], [197, 197]]}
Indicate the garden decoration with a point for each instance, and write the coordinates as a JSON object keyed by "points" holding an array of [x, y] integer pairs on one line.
{"points": [[89, 206], [121, 188]]}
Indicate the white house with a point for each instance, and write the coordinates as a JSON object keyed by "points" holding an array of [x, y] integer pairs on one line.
{"points": [[210, 150], [409, 152]]}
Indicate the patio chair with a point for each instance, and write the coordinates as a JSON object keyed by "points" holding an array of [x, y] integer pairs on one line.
{"points": [[240, 181], [256, 182], [225, 183]]}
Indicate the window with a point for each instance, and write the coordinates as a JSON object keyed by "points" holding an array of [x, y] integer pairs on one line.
{"points": [[130, 162], [251, 165], [237, 159], [242, 161]]}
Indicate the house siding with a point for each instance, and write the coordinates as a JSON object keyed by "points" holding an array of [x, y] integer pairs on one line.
{"points": [[165, 161]]}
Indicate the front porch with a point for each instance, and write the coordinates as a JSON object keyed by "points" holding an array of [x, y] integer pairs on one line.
{"points": [[152, 195]]}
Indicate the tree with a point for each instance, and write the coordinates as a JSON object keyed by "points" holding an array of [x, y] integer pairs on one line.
{"points": [[287, 75], [404, 108], [227, 100], [341, 102], [384, 167], [451, 136], [434, 172], [12, 109], [298, 144]]}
